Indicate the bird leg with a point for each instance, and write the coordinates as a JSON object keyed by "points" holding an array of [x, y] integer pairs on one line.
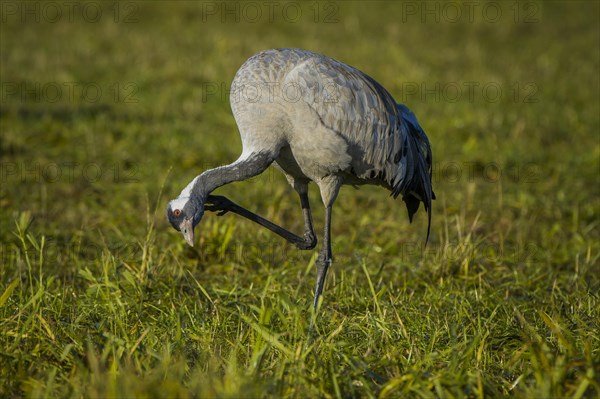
{"points": [[222, 205], [218, 203], [324, 260], [310, 239]]}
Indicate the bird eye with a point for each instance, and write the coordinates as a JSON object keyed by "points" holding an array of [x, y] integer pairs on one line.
{"points": [[177, 212]]}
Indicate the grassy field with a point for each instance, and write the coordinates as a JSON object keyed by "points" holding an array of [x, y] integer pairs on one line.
{"points": [[109, 109]]}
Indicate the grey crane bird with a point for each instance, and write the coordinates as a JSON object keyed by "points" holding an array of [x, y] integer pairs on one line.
{"points": [[316, 119]]}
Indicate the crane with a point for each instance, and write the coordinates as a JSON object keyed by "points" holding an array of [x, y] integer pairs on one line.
{"points": [[316, 119]]}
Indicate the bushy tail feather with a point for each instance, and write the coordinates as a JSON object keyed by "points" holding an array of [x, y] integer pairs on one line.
{"points": [[416, 184]]}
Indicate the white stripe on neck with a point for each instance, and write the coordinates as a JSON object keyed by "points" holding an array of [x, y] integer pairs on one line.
{"points": [[184, 197], [187, 191]]}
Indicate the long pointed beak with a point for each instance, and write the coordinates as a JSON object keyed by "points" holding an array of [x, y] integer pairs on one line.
{"points": [[187, 229]]}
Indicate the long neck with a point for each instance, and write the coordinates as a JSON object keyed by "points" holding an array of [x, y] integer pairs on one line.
{"points": [[247, 166]]}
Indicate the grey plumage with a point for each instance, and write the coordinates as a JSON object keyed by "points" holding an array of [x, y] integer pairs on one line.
{"points": [[317, 120]]}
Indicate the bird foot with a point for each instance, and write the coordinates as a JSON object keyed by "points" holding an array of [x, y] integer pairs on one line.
{"points": [[219, 204]]}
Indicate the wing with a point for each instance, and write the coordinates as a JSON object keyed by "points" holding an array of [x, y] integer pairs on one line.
{"points": [[385, 140], [354, 106]]}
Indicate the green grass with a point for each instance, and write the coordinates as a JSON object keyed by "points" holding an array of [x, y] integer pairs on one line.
{"points": [[99, 297]]}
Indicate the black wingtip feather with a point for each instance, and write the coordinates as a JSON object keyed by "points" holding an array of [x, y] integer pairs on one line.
{"points": [[428, 225], [412, 205], [417, 185]]}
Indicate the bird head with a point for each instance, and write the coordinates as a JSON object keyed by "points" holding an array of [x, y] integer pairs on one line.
{"points": [[184, 214]]}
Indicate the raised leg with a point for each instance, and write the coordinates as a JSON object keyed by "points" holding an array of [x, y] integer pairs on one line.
{"points": [[222, 205], [310, 238]]}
